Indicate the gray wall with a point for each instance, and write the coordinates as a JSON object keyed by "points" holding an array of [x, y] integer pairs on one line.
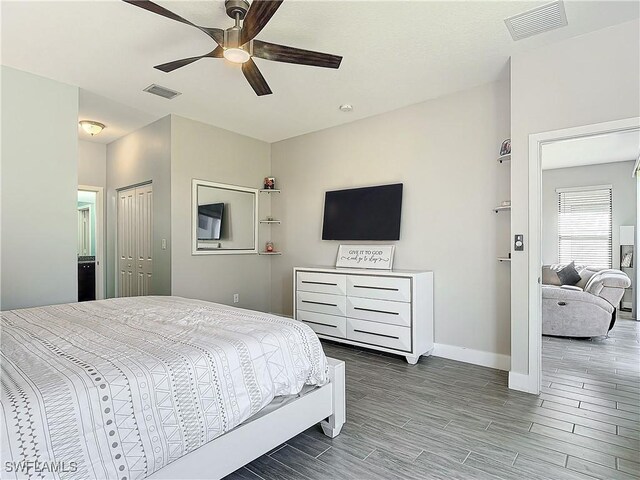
{"points": [[209, 153], [142, 156], [92, 164], [618, 175], [39, 191], [444, 151], [588, 79]]}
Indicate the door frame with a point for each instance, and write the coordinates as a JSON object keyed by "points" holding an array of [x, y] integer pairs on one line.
{"points": [[536, 141], [100, 240]]}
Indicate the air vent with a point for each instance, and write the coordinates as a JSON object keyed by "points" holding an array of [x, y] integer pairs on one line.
{"points": [[537, 20], [163, 92]]}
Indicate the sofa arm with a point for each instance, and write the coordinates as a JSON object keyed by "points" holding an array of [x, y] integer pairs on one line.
{"points": [[608, 284], [558, 294]]}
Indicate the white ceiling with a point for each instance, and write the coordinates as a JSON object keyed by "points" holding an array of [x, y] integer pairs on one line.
{"points": [[593, 150], [396, 53]]}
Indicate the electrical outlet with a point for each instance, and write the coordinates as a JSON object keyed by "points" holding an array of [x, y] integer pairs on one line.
{"points": [[164, 244], [236, 297]]}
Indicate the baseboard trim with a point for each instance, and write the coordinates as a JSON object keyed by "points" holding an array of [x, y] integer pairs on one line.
{"points": [[523, 383], [476, 357]]}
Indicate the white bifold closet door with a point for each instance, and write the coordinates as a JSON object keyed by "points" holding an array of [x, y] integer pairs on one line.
{"points": [[135, 241]]}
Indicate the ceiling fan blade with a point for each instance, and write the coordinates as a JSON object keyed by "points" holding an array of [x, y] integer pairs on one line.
{"points": [[282, 53], [257, 17], [215, 33], [255, 78], [171, 66], [155, 8]]}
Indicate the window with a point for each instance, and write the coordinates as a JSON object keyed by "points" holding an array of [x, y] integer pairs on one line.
{"points": [[584, 226]]}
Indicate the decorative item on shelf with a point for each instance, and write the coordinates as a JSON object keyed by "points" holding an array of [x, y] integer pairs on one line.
{"points": [[627, 260], [379, 257], [269, 183], [268, 247], [505, 203], [505, 148], [269, 218]]}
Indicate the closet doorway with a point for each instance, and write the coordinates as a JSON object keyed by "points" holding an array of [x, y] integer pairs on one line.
{"points": [[134, 232]]}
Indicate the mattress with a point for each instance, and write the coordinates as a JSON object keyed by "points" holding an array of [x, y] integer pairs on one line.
{"points": [[120, 388]]}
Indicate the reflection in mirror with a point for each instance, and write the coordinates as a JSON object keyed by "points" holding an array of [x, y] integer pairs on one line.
{"points": [[224, 218]]}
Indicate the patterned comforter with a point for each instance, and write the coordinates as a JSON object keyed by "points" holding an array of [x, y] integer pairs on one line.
{"points": [[119, 388]]}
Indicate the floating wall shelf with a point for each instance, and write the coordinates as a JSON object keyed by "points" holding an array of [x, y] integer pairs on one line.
{"points": [[270, 221], [270, 253], [264, 190], [504, 158], [504, 259]]}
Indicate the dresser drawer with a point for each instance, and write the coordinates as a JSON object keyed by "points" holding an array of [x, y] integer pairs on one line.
{"points": [[382, 288], [321, 303], [373, 333], [325, 324], [394, 313], [321, 283]]}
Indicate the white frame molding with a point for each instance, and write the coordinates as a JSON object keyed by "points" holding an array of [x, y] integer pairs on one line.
{"points": [[195, 183], [255, 437], [531, 382], [100, 231]]}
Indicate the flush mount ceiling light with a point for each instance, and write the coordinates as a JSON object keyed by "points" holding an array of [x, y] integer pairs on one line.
{"points": [[346, 107], [91, 127]]}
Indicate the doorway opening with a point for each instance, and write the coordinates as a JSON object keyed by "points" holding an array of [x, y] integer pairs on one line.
{"points": [[537, 145], [90, 248]]}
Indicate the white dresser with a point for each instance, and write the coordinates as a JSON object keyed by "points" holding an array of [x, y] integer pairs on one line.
{"points": [[390, 311]]}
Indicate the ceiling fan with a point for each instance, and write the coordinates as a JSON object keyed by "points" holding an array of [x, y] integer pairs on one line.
{"points": [[237, 44]]}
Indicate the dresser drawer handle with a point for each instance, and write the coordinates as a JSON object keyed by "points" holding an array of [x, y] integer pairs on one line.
{"points": [[320, 283], [375, 311], [318, 323], [376, 288], [320, 303], [377, 334]]}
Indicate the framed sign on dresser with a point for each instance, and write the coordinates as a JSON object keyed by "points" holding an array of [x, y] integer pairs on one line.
{"points": [[389, 311]]}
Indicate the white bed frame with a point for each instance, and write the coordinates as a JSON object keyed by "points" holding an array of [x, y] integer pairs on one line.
{"points": [[256, 437]]}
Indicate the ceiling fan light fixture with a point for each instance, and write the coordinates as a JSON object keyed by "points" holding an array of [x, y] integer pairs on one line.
{"points": [[236, 55], [91, 127]]}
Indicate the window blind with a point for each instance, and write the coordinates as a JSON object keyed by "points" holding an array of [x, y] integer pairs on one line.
{"points": [[585, 226]]}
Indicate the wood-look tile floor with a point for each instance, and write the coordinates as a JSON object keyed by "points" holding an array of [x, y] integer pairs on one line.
{"points": [[442, 419]]}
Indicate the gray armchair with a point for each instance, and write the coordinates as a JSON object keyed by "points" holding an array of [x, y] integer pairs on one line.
{"points": [[587, 309]]}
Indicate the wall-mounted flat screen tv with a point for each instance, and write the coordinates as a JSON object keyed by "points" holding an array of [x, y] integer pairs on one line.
{"points": [[210, 221], [369, 213]]}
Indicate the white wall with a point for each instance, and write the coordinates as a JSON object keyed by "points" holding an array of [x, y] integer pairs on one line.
{"points": [[142, 156], [584, 80], [444, 151], [39, 191], [205, 152], [92, 164], [618, 175]]}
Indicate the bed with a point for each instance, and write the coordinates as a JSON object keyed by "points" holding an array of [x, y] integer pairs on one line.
{"points": [[157, 387]]}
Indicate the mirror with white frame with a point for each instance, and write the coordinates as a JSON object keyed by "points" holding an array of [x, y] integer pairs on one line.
{"points": [[224, 219]]}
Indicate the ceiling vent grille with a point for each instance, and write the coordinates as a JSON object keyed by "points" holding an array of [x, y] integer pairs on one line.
{"points": [[537, 20], [161, 91]]}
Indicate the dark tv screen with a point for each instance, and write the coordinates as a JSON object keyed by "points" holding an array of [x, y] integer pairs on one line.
{"points": [[369, 213], [210, 221]]}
